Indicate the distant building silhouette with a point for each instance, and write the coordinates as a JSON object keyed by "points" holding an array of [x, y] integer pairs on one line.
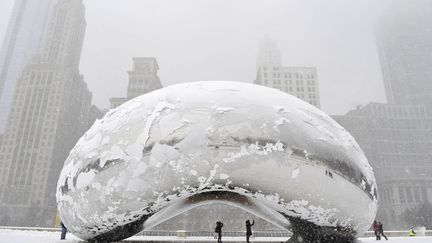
{"points": [[23, 41], [301, 82], [404, 41], [142, 79], [51, 110], [269, 54], [396, 137]]}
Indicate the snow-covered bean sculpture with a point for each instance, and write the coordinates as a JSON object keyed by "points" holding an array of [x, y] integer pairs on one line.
{"points": [[186, 145]]}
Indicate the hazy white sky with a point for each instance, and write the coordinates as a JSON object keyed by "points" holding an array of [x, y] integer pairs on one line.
{"points": [[218, 40]]}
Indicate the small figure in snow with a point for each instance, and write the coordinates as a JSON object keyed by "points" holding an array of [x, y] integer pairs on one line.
{"points": [[249, 229], [218, 230], [411, 232], [375, 228], [381, 230], [63, 231]]}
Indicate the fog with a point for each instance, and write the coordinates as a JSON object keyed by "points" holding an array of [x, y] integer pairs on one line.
{"points": [[364, 52], [218, 40]]}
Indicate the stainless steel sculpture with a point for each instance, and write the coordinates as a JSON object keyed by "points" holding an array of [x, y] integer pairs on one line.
{"points": [[186, 145]]}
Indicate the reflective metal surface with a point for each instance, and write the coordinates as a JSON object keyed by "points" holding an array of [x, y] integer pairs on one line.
{"points": [[257, 148]]}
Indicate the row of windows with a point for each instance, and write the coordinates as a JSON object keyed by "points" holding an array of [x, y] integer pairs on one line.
{"points": [[289, 82], [406, 195], [290, 75], [400, 112], [409, 195], [137, 81], [291, 89]]}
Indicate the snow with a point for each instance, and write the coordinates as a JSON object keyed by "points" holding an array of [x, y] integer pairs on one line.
{"points": [[84, 179], [295, 173], [19, 236]]}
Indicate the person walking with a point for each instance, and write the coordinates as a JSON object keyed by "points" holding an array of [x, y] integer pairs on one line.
{"points": [[218, 230], [411, 232], [375, 228], [63, 231], [249, 229], [381, 230]]}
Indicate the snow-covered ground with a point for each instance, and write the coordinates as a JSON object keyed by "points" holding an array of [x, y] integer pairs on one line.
{"points": [[18, 236]]}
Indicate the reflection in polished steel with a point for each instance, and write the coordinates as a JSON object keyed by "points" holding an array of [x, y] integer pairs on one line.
{"points": [[187, 145]]}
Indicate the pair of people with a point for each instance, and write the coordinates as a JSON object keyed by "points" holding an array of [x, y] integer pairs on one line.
{"points": [[219, 226], [378, 230]]}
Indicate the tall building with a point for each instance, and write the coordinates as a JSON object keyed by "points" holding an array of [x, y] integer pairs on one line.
{"points": [[23, 41], [269, 54], [396, 137], [396, 140], [51, 109], [142, 79], [404, 40], [301, 82]]}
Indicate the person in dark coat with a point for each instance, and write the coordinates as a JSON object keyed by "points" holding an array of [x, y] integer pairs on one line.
{"points": [[375, 228], [249, 229], [63, 231], [381, 230], [218, 230]]}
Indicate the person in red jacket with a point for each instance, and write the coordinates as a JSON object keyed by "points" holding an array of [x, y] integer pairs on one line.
{"points": [[375, 228]]}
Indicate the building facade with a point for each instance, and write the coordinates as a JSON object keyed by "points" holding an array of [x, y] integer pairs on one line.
{"points": [[404, 41], [300, 82], [51, 110], [23, 41], [396, 140], [397, 137], [143, 78]]}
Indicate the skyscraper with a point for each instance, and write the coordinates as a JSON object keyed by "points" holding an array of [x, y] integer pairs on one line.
{"points": [[301, 82], [51, 109], [396, 137], [404, 40], [23, 41], [269, 54], [142, 79], [396, 141]]}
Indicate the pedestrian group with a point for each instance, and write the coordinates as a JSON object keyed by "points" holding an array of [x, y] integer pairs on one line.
{"points": [[219, 225]]}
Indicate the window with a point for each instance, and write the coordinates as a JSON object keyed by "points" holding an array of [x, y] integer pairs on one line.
{"points": [[424, 194], [401, 195], [416, 194], [409, 196]]}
